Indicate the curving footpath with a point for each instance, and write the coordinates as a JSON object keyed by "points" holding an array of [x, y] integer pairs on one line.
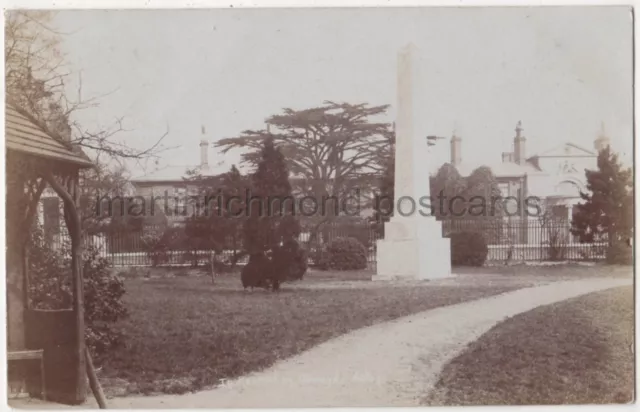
{"points": [[389, 364]]}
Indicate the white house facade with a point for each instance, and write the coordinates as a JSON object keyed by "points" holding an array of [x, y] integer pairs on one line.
{"points": [[553, 179]]}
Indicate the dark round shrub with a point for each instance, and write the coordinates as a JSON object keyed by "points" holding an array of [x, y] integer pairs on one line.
{"points": [[346, 253], [468, 249], [256, 272], [289, 261]]}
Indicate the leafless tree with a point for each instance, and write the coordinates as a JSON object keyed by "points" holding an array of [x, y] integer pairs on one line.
{"points": [[36, 78]]}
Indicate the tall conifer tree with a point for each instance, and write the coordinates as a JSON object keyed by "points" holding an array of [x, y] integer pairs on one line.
{"points": [[272, 207], [607, 211]]}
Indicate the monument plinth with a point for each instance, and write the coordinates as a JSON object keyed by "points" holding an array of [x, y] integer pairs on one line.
{"points": [[413, 246]]}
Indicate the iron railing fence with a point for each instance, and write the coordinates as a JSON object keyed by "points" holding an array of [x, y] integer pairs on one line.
{"points": [[518, 240]]}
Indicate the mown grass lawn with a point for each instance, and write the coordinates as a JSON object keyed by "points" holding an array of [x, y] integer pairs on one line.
{"points": [[185, 333], [575, 352], [555, 272]]}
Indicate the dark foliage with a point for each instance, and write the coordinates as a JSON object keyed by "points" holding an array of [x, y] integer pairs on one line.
{"points": [[289, 260], [50, 288], [447, 183], [271, 216], [217, 225], [270, 231], [607, 211], [103, 303], [346, 254], [620, 254], [160, 241], [259, 273], [384, 205], [468, 249], [476, 194], [315, 140]]}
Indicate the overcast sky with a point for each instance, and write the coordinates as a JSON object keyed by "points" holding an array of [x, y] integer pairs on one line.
{"points": [[561, 71]]}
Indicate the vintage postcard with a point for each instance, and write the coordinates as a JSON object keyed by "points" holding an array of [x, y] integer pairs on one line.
{"points": [[319, 207]]}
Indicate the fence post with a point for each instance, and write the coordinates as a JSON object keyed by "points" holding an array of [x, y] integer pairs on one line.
{"points": [[213, 258]]}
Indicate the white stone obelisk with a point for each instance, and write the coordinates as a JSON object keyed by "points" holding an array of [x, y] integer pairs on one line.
{"points": [[413, 247]]}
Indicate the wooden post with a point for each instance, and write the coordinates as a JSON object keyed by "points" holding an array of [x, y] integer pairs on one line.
{"points": [[94, 383], [212, 260], [75, 231], [69, 195]]}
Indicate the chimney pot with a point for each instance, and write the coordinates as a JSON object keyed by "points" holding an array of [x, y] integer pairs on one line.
{"points": [[602, 141], [519, 147], [204, 154], [456, 150], [507, 157]]}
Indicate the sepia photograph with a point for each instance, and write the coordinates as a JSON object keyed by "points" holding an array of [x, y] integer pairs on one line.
{"points": [[319, 207]]}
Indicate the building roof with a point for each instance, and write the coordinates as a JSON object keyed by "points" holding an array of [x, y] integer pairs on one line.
{"points": [[512, 169], [177, 174], [499, 169], [567, 149], [23, 134]]}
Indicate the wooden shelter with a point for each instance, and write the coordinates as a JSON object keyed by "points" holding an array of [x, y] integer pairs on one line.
{"points": [[35, 159]]}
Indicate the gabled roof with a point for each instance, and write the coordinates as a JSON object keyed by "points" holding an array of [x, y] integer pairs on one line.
{"points": [[566, 149], [24, 135]]}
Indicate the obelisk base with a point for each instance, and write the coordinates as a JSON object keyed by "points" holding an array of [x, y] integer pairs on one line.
{"points": [[413, 249]]}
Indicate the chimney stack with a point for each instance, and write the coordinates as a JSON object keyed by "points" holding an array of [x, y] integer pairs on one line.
{"points": [[456, 149], [519, 145], [204, 152]]}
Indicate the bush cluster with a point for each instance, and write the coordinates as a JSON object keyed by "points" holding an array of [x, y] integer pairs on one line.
{"points": [[103, 305], [258, 273], [158, 242], [345, 253], [468, 249], [290, 260], [286, 262], [50, 289]]}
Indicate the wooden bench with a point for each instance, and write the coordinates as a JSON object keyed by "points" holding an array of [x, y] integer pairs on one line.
{"points": [[23, 355]]}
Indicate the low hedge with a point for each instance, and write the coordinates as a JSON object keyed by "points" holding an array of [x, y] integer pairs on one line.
{"points": [[346, 253]]}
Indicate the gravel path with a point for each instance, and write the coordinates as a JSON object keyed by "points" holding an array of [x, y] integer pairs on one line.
{"points": [[389, 364]]}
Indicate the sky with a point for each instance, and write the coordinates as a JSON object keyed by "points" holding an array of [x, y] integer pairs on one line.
{"points": [[562, 71]]}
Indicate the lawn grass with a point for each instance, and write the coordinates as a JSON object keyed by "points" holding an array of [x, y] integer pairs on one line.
{"points": [[556, 272], [185, 333], [575, 352]]}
